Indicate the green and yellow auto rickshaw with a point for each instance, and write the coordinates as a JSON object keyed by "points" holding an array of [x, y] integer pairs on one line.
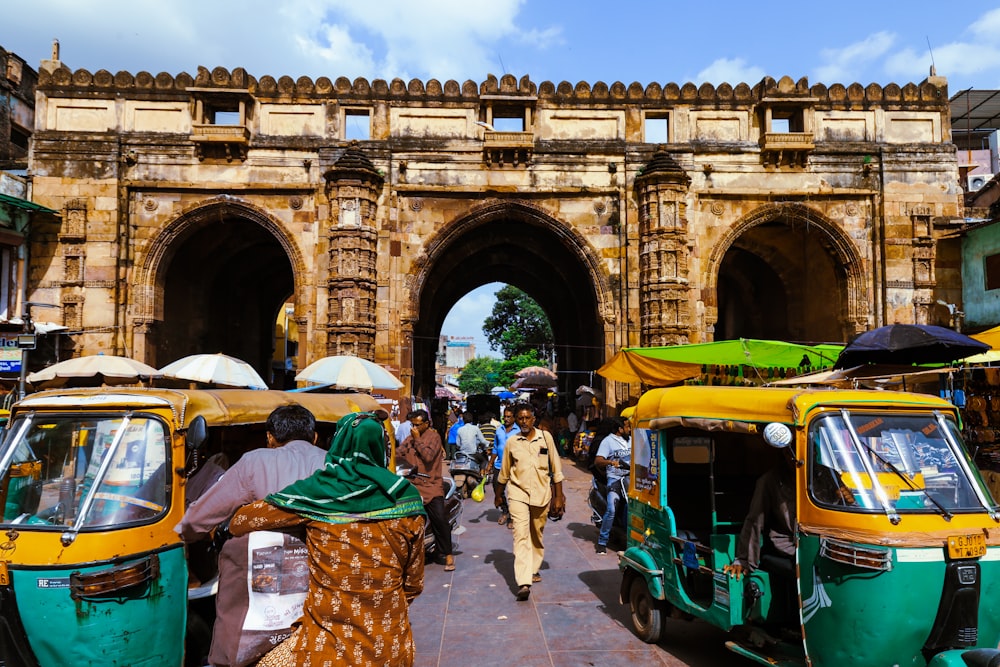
{"points": [[92, 484], [897, 539]]}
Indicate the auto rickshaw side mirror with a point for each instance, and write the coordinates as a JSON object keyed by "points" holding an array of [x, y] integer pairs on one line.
{"points": [[778, 435], [197, 433]]}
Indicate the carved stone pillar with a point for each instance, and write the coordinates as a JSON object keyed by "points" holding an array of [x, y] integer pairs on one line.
{"points": [[664, 305], [352, 188]]}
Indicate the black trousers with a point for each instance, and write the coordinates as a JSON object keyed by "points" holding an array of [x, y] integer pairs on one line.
{"points": [[437, 517]]}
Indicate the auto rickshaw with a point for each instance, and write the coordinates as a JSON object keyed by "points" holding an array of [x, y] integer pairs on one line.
{"points": [[92, 484], [897, 539]]}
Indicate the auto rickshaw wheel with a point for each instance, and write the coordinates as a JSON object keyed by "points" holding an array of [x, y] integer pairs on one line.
{"points": [[647, 615]]}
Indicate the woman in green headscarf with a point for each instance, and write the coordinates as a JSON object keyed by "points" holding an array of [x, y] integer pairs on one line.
{"points": [[365, 536]]}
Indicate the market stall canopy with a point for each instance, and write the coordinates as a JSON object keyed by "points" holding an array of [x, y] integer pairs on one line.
{"points": [[991, 337], [347, 372], [866, 375], [664, 366], [218, 369], [93, 369], [446, 392], [907, 344], [534, 377], [535, 370]]}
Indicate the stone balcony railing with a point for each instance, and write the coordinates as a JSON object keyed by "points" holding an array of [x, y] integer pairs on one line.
{"points": [[220, 141], [507, 148], [495, 139], [219, 133], [791, 148]]}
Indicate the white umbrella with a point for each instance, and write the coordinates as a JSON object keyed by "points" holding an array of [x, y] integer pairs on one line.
{"points": [[347, 372], [107, 368], [215, 369]]}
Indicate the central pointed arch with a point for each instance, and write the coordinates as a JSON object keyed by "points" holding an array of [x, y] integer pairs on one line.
{"points": [[517, 243]]}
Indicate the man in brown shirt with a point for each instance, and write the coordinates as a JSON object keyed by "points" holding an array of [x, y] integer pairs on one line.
{"points": [[530, 473], [423, 451]]}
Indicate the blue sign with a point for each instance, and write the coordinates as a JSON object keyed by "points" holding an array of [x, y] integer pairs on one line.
{"points": [[10, 355]]}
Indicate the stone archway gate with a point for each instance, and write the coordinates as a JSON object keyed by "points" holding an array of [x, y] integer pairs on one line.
{"points": [[128, 158]]}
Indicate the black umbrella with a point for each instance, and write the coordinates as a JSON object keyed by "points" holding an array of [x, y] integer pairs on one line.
{"points": [[909, 344]]}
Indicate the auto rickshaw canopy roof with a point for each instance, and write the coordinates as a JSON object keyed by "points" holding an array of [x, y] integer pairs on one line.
{"points": [[219, 407], [740, 409]]}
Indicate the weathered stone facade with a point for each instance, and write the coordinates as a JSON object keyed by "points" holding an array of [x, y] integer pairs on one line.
{"points": [[195, 206]]}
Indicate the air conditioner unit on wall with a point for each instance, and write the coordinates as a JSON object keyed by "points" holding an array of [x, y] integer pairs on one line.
{"points": [[977, 181]]}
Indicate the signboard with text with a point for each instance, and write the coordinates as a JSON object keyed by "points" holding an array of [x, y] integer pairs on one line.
{"points": [[10, 355]]}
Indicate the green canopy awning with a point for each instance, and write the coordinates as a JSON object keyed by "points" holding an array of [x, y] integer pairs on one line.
{"points": [[660, 366], [25, 204]]}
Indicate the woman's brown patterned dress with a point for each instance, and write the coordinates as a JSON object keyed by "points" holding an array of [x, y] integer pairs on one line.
{"points": [[363, 576]]}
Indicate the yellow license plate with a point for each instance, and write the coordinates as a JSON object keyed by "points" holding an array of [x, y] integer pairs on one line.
{"points": [[967, 546]]}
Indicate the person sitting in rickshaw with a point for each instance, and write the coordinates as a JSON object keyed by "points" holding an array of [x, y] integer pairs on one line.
{"points": [[767, 540]]}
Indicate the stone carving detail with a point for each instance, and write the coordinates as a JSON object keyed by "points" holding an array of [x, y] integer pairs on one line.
{"points": [[295, 202]]}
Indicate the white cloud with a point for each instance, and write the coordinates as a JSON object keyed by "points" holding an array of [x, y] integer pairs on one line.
{"points": [[440, 38], [978, 56], [730, 70], [849, 64], [373, 39]]}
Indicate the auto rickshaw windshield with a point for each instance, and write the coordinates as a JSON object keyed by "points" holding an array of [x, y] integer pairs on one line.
{"points": [[893, 463], [83, 471]]}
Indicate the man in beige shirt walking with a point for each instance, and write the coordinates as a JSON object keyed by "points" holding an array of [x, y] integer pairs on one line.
{"points": [[530, 474]]}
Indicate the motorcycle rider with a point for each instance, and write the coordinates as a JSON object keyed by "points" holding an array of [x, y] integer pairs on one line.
{"points": [[613, 456]]}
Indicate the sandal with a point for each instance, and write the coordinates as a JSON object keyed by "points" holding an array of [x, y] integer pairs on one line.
{"points": [[504, 518], [523, 592], [449, 564], [535, 578]]}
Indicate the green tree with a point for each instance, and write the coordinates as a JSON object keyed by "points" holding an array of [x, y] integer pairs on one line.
{"points": [[517, 325], [479, 375]]}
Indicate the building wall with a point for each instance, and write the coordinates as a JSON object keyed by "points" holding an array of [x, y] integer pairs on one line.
{"points": [[982, 306], [865, 184]]}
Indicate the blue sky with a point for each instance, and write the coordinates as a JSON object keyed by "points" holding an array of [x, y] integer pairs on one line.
{"points": [[649, 41]]}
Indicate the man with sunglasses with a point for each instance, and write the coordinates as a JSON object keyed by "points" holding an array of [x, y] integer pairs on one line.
{"points": [[422, 450]]}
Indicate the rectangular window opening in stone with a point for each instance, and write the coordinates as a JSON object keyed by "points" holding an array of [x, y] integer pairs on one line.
{"points": [[784, 121], [357, 124], [656, 128], [508, 123], [991, 269], [19, 137]]}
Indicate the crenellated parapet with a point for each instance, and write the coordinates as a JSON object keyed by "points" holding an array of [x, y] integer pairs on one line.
{"points": [[932, 92]]}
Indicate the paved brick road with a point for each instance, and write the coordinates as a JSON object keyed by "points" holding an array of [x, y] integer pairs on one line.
{"points": [[469, 618]]}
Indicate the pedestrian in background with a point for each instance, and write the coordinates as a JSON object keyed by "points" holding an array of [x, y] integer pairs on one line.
{"points": [[531, 475], [506, 430], [423, 452]]}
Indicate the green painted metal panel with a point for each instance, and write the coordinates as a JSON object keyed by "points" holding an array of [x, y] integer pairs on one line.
{"points": [[139, 627]]}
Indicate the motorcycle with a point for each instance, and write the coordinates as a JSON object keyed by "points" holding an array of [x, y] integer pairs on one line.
{"points": [[467, 472], [452, 506], [597, 500]]}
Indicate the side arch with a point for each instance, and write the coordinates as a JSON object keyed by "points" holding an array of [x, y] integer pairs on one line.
{"points": [[847, 260], [155, 258]]}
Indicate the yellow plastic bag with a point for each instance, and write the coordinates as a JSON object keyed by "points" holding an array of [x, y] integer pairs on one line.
{"points": [[479, 492]]}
